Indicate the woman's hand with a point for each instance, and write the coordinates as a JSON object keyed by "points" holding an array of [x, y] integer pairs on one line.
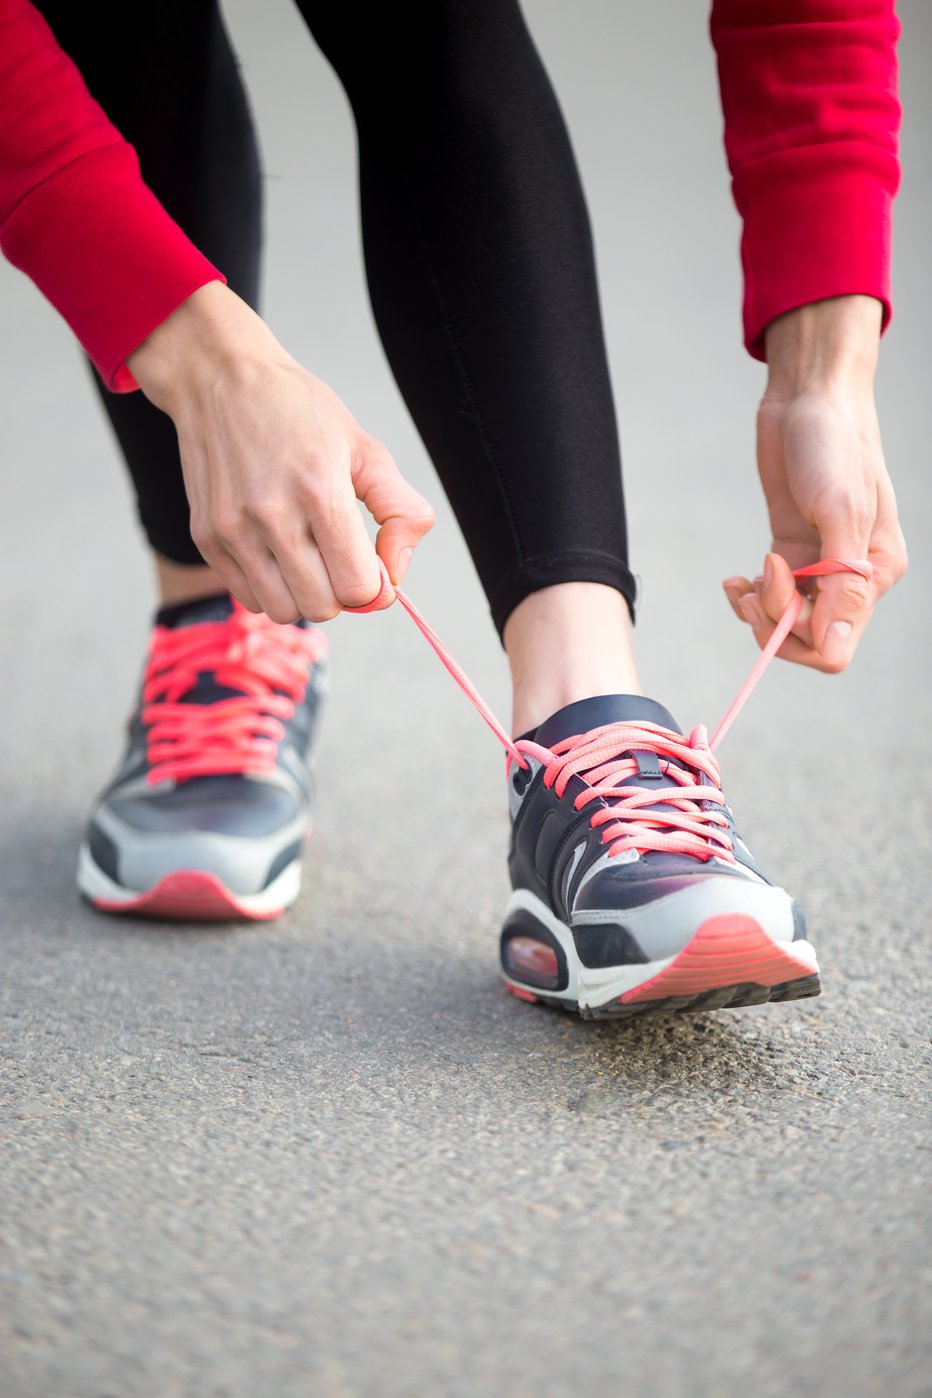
{"points": [[828, 494], [274, 464]]}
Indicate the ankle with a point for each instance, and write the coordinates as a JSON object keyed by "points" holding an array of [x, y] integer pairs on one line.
{"points": [[182, 582], [568, 642]]}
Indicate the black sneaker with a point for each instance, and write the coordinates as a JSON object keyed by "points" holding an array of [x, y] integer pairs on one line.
{"points": [[209, 812], [632, 888]]}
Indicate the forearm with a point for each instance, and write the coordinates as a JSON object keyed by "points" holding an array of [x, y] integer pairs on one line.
{"points": [[811, 121], [75, 214], [212, 336], [274, 464], [827, 346]]}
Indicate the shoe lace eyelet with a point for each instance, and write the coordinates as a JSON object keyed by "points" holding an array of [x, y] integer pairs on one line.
{"points": [[521, 779]]}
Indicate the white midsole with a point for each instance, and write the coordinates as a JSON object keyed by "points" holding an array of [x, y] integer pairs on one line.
{"points": [[281, 892], [590, 987]]}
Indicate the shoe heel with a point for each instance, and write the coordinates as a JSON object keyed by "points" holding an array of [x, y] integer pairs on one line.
{"points": [[533, 955]]}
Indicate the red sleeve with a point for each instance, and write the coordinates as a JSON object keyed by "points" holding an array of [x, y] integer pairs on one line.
{"points": [[811, 121], [75, 215]]}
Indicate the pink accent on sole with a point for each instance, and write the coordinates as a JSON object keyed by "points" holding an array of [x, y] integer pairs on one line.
{"points": [[522, 994], [731, 949], [188, 895]]}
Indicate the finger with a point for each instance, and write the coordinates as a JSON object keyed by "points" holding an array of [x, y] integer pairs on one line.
{"points": [[237, 585], [308, 579], [734, 589], [887, 550], [746, 604], [403, 514], [236, 551], [776, 591], [268, 584], [340, 534], [753, 613], [839, 616], [793, 648], [228, 571], [384, 598], [844, 601], [763, 618], [777, 586]]}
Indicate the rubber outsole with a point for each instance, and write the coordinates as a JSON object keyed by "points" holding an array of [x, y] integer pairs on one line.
{"points": [[730, 961], [724, 998], [188, 895]]}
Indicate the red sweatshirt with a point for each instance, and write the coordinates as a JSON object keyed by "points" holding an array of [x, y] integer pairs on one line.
{"points": [[75, 214], [811, 120]]}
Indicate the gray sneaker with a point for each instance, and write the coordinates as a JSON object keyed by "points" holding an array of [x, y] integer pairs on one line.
{"points": [[633, 891], [210, 809]]}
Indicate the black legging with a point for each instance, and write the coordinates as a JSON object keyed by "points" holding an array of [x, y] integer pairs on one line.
{"points": [[478, 255]]}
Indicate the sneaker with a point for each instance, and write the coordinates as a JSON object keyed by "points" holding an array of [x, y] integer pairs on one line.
{"points": [[632, 888], [209, 812]]}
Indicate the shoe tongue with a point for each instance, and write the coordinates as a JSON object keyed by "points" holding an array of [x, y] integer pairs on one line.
{"points": [[216, 608], [206, 690], [587, 714]]}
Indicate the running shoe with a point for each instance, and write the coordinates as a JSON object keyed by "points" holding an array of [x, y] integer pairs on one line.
{"points": [[210, 809], [632, 889]]}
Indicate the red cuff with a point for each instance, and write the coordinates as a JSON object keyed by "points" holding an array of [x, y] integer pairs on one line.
{"points": [[116, 267], [817, 223]]}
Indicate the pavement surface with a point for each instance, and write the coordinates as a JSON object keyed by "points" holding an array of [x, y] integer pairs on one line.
{"points": [[331, 1156]]}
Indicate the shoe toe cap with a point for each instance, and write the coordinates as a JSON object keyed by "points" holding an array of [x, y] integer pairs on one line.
{"points": [[228, 805], [668, 913], [241, 831]]}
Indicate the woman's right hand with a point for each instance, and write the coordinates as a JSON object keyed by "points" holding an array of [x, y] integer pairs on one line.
{"points": [[274, 464]]}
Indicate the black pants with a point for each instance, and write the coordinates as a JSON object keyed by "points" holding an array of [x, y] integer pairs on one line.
{"points": [[478, 255]]}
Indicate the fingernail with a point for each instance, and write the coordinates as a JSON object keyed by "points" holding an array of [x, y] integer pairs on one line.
{"points": [[768, 572], [835, 646], [751, 610], [401, 564]]}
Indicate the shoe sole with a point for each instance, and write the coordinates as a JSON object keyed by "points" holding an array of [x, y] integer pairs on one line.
{"points": [[730, 961], [188, 895]]}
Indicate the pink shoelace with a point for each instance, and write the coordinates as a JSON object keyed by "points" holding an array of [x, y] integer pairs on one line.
{"points": [[684, 819], [247, 652]]}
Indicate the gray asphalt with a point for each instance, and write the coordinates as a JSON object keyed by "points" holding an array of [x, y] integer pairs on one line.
{"points": [[331, 1156]]}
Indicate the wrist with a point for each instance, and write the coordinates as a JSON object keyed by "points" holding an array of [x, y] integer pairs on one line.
{"points": [[826, 346], [208, 334]]}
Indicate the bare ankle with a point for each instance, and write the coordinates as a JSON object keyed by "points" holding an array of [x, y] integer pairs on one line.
{"points": [[182, 582], [565, 643]]}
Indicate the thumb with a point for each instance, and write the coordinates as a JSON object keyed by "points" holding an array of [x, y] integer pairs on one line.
{"points": [[404, 516], [844, 599]]}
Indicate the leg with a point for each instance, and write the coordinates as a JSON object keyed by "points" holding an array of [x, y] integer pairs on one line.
{"points": [[174, 91], [482, 277], [209, 809], [636, 893]]}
